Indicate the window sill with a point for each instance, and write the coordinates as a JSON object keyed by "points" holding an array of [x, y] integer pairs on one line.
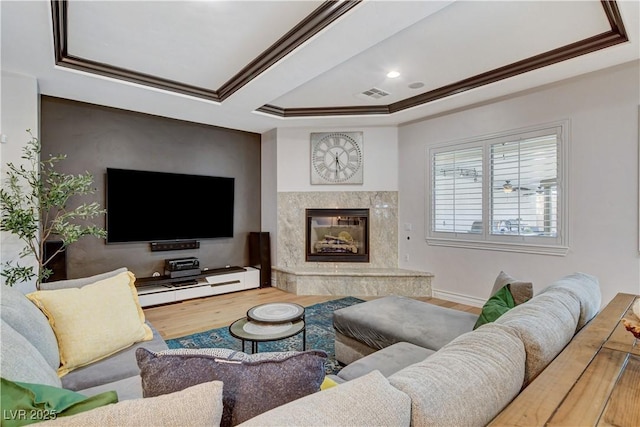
{"points": [[526, 248]]}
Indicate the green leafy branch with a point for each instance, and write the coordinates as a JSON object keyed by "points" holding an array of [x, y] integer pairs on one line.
{"points": [[34, 207]]}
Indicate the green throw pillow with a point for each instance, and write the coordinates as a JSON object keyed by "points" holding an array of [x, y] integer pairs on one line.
{"points": [[501, 302], [26, 403]]}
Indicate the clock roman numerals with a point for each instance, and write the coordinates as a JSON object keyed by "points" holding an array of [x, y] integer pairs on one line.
{"points": [[322, 168], [336, 157]]}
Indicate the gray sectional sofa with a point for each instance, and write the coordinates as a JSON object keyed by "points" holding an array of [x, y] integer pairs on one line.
{"points": [[468, 381], [30, 354]]}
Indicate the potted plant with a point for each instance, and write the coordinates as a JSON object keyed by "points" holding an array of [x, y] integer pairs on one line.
{"points": [[34, 206]]}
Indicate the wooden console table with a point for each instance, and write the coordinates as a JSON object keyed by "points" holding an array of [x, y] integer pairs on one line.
{"points": [[594, 381]]}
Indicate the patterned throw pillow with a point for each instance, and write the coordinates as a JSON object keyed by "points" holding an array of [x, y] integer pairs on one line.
{"points": [[253, 384]]}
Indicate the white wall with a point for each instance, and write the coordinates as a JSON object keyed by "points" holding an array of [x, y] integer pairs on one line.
{"points": [[19, 111], [603, 186], [380, 151]]}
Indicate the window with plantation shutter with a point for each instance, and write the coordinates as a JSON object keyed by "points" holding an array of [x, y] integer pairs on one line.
{"points": [[501, 192], [524, 193], [457, 189]]}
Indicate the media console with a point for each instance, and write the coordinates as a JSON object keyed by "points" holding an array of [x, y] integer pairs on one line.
{"points": [[165, 289]]}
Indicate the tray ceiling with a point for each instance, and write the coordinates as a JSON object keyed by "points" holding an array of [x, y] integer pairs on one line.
{"points": [[256, 65]]}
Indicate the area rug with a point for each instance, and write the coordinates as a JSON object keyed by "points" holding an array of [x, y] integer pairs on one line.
{"points": [[319, 326]]}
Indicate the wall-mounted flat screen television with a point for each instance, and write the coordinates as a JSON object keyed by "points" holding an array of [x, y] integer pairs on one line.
{"points": [[144, 206]]}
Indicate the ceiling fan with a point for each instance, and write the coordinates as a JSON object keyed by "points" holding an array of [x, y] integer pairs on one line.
{"points": [[507, 187]]}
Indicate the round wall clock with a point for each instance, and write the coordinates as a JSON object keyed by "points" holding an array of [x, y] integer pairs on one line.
{"points": [[336, 158]]}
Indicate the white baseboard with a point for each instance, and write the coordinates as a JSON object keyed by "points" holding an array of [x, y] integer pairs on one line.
{"points": [[459, 298]]}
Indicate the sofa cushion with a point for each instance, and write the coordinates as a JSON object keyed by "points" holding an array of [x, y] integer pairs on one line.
{"points": [[251, 387], [21, 361], [40, 402], [118, 366], [94, 321], [385, 321], [200, 405], [127, 388], [25, 318], [348, 349], [365, 401], [468, 381], [387, 361], [586, 290], [545, 325], [78, 283]]}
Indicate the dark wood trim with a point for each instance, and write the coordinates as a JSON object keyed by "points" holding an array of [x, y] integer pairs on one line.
{"points": [[100, 68], [324, 111], [272, 109], [59, 12], [616, 35], [320, 18], [615, 19], [59, 20], [539, 61]]}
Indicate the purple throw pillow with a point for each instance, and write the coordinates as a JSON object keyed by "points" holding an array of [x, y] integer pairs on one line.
{"points": [[253, 384]]}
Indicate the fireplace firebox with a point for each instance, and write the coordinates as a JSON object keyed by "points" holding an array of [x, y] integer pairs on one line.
{"points": [[337, 235]]}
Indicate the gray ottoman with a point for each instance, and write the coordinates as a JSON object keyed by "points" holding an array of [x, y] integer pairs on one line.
{"points": [[364, 328]]}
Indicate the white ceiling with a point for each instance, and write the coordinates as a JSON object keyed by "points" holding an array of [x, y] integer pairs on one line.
{"points": [[182, 59]]}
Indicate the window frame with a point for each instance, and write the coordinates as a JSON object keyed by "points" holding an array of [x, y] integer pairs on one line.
{"points": [[486, 240]]}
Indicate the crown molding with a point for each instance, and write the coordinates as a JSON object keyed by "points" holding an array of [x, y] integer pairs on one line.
{"points": [[615, 36], [325, 14]]}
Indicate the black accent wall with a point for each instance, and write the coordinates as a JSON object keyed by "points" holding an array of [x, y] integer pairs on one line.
{"points": [[96, 137]]}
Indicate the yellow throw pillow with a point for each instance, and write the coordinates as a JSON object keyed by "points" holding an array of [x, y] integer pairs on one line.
{"points": [[94, 321], [327, 383]]}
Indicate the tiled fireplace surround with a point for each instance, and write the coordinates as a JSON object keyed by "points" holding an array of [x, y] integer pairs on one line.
{"points": [[380, 276]]}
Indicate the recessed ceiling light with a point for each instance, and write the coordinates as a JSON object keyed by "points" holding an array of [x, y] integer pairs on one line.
{"points": [[393, 74], [416, 85]]}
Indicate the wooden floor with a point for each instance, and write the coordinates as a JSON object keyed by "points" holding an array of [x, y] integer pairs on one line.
{"points": [[197, 315]]}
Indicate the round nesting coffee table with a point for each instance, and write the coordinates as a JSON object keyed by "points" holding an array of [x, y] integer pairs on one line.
{"points": [[270, 322]]}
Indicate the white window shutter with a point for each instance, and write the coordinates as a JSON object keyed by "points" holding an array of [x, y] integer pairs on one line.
{"points": [[524, 197], [522, 204], [457, 190]]}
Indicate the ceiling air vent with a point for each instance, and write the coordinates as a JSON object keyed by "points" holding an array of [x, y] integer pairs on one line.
{"points": [[375, 93]]}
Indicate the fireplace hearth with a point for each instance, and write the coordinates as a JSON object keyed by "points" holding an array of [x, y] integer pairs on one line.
{"points": [[337, 235]]}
